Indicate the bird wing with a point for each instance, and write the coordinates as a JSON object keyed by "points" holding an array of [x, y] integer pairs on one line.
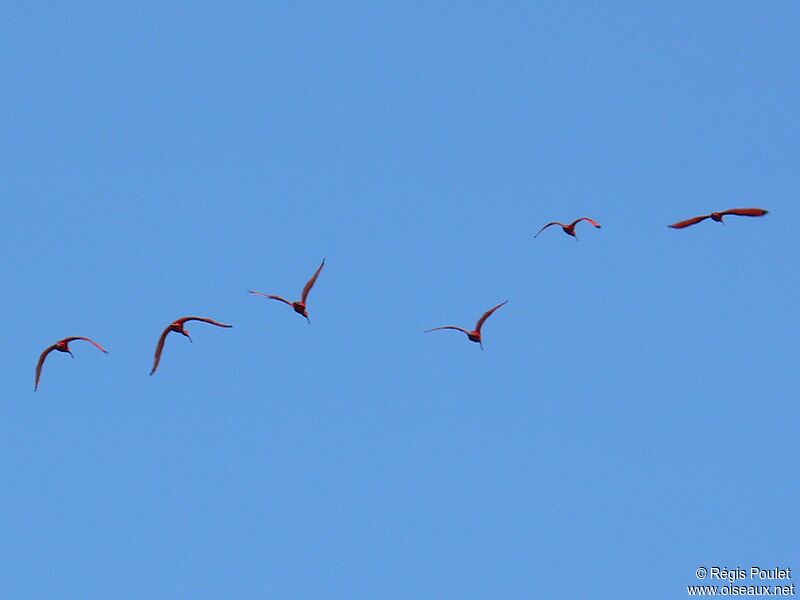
{"points": [[311, 282], [44, 354], [588, 220], [548, 225], [745, 212], [487, 314], [687, 222], [86, 339], [461, 329], [273, 296], [204, 320], [160, 349]]}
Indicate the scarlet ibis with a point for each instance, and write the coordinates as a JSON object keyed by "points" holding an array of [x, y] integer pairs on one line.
{"points": [[299, 306], [570, 229], [475, 334], [61, 346], [717, 216], [178, 326]]}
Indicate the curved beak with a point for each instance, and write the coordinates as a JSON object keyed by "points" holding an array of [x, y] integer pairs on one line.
{"points": [[70, 353], [188, 336]]}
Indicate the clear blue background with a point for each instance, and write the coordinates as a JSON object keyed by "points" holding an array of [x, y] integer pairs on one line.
{"points": [[634, 415]]}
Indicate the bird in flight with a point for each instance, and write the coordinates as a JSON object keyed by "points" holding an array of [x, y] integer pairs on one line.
{"points": [[299, 306], [570, 229], [475, 334], [717, 216], [61, 346], [178, 326]]}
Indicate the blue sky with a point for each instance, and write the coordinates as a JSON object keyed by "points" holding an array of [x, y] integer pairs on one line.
{"points": [[634, 414]]}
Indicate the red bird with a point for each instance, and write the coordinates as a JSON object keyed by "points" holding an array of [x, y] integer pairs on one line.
{"points": [[299, 306], [717, 216], [475, 334], [570, 229], [61, 346], [178, 326]]}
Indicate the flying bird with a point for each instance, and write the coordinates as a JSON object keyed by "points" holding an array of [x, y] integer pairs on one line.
{"points": [[475, 334], [570, 229], [299, 306], [178, 326], [717, 216], [61, 346]]}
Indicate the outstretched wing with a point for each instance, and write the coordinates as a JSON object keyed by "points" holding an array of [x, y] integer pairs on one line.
{"points": [[204, 320], [548, 225], [687, 222], [745, 212], [44, 354], [311, 283], [588, 220], [160, 349], [461, 329], [487, 314], [273, 296], [86, 339]]}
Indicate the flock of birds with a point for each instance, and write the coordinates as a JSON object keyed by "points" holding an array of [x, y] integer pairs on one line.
{"points": [[300, 306]]}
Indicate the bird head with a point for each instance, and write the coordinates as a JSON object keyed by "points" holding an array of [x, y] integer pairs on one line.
{"points": [[186, 334]]}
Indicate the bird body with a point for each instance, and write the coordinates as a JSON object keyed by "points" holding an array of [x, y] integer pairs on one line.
{"points": [[179, 326], [61, 346], [300, 309], [569, 228], [717, 216], [299, 306], [475, 334]]}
